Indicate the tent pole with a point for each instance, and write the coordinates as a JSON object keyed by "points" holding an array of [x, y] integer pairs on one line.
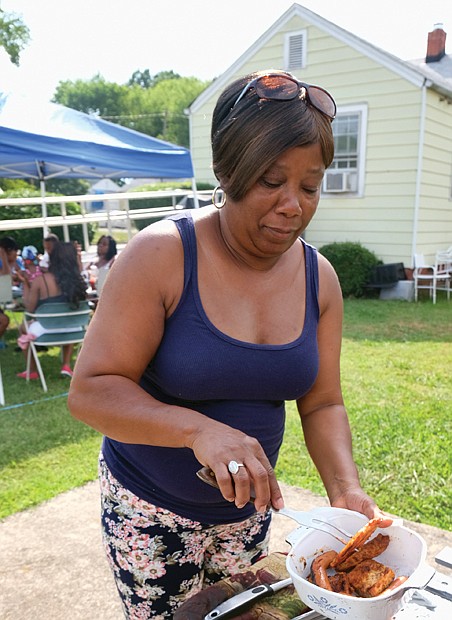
{"points": [[42, 185], [65, 226], [109, 225], [195, 195], [84, 227], [129, 223]]}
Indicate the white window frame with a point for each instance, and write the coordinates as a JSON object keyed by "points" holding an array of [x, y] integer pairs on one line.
{"points": [[362, 111], [288, 37]]}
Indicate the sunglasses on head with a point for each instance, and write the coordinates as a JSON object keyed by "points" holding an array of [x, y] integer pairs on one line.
{"points": [[278, 87]]}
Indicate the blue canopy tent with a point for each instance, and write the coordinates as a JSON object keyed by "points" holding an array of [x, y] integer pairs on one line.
{"points": [[43, 140]]}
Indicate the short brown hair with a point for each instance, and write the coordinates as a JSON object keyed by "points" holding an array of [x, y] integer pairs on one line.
{"points": [[248, 138]]}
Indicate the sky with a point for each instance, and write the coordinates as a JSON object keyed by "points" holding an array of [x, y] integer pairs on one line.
{"points": [[77, 39]]}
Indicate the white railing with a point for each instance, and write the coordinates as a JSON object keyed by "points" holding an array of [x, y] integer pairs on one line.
{"points": [[124, 213]]}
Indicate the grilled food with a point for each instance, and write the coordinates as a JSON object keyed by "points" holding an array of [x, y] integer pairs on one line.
{"points": [[357, 573], [370, 550], [369, 578]]}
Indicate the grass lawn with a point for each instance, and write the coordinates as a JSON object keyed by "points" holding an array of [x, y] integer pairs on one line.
{"points": [[396, 365], [43, 450]]}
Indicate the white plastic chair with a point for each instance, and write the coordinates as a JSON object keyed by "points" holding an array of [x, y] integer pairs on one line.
{"points": [[428, 277], [7, 300], [6, 290], [101, 277], [443, 261], [6, 295], [63, 325]]}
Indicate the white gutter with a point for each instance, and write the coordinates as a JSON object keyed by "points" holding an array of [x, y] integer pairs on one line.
{"points": [[190, 134], [420, 153], [195, 193]]}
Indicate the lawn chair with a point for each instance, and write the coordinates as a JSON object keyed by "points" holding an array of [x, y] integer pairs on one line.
{"points": [[101, 277], [443, 261], [6, 290], [430, 278], [6, 298], [64, 325]]}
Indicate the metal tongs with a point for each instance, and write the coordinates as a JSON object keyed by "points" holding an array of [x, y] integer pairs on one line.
{"points": [[301, 517]]}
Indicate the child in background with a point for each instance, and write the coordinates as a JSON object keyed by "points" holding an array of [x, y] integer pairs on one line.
{"points": [[49, 243], [31, 258]]}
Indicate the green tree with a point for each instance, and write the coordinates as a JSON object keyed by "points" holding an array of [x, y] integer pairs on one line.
{"points": [[151, 105], [95, 96], [33, 236], [7, 185], [142, 79], [14, 35], [160, 111], [145, 80], [57, 185], [165, 75], [67, 187]]}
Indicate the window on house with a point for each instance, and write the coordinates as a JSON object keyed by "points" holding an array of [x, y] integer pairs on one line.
{"points": [[346, 173], [295, 50]]}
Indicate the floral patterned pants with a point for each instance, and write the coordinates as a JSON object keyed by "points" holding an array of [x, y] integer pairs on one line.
{"points": [[159, 558]]}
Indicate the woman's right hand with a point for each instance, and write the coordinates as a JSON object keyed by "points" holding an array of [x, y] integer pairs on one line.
{"points": [[22, 276], [216, 445]]}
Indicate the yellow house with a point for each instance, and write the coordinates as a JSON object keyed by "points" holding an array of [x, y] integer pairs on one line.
{"points": [[390, 185]]}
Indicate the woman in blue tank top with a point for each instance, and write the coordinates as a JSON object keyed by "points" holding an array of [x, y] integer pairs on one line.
{"points": [[232, 314]]}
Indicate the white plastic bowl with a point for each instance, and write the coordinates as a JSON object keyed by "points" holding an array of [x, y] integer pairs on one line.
{"points": [[405, 554]]}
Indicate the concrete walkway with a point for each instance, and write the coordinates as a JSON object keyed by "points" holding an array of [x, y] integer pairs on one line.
{"points": [[52, 564]]}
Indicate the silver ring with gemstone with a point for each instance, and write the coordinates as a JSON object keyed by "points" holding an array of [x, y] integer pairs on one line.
{"points": [[234, 467]]}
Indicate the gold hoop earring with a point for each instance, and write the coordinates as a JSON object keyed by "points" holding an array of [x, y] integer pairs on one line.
{"points": [[214, 196]]}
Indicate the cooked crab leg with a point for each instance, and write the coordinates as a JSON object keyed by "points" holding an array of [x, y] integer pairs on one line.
{"points": [[370, 550], [319, 567], [357, 541]]}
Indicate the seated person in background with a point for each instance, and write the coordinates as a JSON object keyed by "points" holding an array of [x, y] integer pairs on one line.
{"points": [[106, 252], [78, 249], [13, 262], [49, 243], [4, 271], [106, 255], [11, 257], [62, 283], [31, 257]]}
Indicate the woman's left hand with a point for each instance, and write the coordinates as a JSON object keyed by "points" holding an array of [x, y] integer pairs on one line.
{"points": [[356, 499]]}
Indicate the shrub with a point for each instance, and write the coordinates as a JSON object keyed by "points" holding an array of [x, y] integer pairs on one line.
{"points": [[34, 236], [353, 264]]}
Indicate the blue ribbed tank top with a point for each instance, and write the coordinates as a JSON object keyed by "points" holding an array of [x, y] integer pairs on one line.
{"points": [[241, 384]]}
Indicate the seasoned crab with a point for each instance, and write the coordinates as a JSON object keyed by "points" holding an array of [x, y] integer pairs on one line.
{"points": [[371, 549], [357, 574], [357, 541], [370, 578], [340, 584], [319, 567]]}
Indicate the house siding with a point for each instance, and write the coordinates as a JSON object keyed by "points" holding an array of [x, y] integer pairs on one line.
{"points": [[435, 211], [383, 218]]}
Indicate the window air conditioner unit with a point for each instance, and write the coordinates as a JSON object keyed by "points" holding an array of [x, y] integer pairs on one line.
{"points": [[336, 181]]}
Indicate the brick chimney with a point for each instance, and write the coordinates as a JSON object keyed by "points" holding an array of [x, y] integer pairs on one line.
{"points": [[436, 44]]}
